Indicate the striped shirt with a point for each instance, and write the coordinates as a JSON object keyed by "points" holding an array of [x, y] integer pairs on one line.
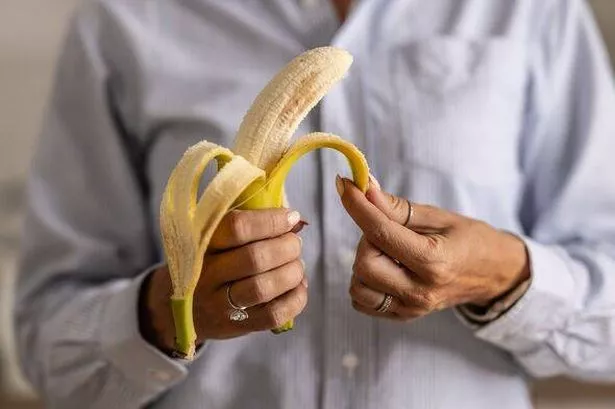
{"points": [[502, 110]]}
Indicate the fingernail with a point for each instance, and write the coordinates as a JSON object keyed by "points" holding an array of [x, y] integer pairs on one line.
{"points": [[374, 181], [304, 282], [300, 241], [293, 218], [299, 226], [302, 261], [339, 185]]}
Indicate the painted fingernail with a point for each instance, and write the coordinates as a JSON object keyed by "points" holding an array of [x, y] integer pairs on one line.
{"points": [[374, 181], [293, 218], [339, 185], [299, 226]]}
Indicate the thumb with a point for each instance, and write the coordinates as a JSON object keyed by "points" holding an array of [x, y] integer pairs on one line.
{"points": [[418, 217]]}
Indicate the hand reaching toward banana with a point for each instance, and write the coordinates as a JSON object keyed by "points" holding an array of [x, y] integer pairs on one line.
{"points": [[416, 259]]}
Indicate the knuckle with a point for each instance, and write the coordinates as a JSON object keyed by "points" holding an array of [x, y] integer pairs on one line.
{"points": [[301, 299], [429, 300], [430, 209], [285, 249], [276, 316], [354, 291], [380, 233], [407, 297], [257, 256], [296, 273], [363, 269], [438, 276], [293, 245], [260, 290], [419, 300], [239, 225], [430, 251], [398, 204], [278, 221], [444, 273]]}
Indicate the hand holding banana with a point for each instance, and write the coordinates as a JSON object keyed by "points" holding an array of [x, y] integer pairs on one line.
{"points": [[425, 258], [255, 255]]}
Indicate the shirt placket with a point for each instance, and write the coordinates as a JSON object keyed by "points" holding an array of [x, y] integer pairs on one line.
{"points": [[348, 336]]}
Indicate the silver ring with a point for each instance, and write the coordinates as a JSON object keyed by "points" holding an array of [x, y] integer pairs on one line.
{"points": [[238, 313], [386, 303]]}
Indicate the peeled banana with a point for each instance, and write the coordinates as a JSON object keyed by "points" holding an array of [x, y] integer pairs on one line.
{"points": [[250, 176]]}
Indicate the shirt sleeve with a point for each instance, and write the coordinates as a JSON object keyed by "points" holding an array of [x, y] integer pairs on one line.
{"points": [[87, 245], [565, 322]]}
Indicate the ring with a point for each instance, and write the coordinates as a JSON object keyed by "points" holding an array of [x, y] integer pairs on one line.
{"points": [[410, 214], [386, 303], [238, 313]]}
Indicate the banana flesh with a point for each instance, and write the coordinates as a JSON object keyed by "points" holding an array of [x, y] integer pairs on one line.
{"points": [[251, 176]]}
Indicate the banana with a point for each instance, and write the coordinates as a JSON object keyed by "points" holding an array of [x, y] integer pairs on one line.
{"points": [[250, 176]]}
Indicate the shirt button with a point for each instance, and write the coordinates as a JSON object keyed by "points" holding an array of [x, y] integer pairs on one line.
{"points": [[350, 362], [159, 375]]}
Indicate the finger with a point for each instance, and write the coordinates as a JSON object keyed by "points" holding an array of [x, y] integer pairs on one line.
{"points": [[392, 238], [262, 288], [251, 259], [378, 271], [398, 315], [371, 299], [279, 311], [366, 296], [381, 273], [418, 217], [394, 207], [241, 227]]}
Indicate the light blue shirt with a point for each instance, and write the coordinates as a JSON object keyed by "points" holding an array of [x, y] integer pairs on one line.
{"points": [[502, 110]]}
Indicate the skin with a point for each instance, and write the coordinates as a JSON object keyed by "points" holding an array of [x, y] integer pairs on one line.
{"points": [[438, 260], [257, 253], [435, 260]]}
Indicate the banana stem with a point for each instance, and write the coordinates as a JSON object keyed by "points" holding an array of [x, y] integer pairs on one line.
{"points": [[185, 334]]}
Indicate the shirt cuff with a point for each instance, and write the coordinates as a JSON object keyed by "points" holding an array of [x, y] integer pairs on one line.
{"points": [[485, 315], [122, 343], [543, 308]]}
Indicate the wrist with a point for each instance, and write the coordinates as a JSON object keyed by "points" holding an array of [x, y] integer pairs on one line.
{"points": [[513, 266]]}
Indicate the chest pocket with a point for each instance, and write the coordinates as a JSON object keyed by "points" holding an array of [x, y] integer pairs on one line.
{"points": [[461, 106]]}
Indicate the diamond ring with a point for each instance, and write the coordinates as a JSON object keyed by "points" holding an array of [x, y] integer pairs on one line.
{"points": [[238, 313]]}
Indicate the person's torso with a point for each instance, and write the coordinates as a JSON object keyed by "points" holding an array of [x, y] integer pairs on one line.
{"points": [[436, 101]]}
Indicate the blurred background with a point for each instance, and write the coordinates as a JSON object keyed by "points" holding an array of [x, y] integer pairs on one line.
{"points": [[30, 34]]}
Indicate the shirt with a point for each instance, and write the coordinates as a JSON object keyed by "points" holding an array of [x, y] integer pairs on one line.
{"points": [[501, 110]]}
